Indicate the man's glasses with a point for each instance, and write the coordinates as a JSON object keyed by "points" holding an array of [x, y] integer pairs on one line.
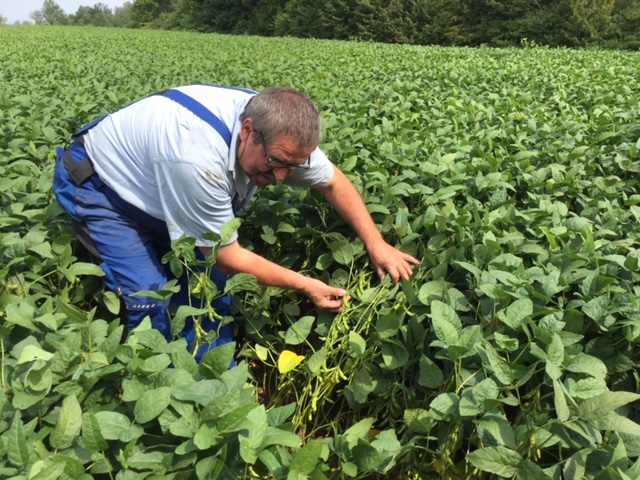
{"points": [[275, 163]]}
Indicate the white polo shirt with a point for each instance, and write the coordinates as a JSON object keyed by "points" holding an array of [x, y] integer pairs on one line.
{"points": [[163, 159]]}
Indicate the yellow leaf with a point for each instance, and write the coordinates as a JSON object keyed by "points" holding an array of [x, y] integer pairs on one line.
{"points": [[288, 361]]}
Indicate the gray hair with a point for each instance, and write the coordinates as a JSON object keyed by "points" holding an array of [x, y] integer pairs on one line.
{"points": [[280, 111]]}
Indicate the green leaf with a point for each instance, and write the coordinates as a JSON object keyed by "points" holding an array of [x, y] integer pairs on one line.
{"points": [[361, 385], [418, 420], [616, 423], [112, 302], [69, 424], [306, 459], [215, 362], [148, 460], [597, 308], [517, 313], [495, 430], [116, 426], [431, 375], [394, 354], [560, 401], [583, 363], [151, 404], [316, 361], [343, 252], [81, 268], [446, 323], [598, 407], [431, 291], [278, 416], [357, 344], [18, 449], [530, 471], [500, 369], [241, 282], [229, 229], [202, 392], [499, 460], [31, 353], [299, 331], [91, 434], [443, 405]]}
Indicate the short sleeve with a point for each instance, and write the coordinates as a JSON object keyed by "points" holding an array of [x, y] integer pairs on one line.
{"points": [[319, 175]]}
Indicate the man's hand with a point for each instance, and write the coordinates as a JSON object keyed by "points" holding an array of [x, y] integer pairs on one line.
{"points": [[325, 296], [342, 195], [388, 259], [232, 259]]}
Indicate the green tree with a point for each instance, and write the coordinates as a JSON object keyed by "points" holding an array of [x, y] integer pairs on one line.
{"points": [[144, 12], [122, 15], [3, 20], [53, 14], [299, 18], [624, 31], [37, 17], [594, 16], [100, 15]]}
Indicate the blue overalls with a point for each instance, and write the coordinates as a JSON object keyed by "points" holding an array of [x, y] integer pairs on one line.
{"points": [[128, 243]]}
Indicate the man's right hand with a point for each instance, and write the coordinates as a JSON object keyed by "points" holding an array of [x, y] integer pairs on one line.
{"points": [[324, 296]]}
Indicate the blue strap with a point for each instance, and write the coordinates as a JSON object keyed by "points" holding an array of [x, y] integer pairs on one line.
{"points": [[200, 111], [88, 127]]}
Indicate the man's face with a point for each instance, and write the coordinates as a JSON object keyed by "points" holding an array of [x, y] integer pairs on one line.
{"points": [[254, 156]]}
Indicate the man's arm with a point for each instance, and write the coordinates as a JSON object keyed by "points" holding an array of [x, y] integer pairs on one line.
{"points": [[233, 258], [346, 200]]}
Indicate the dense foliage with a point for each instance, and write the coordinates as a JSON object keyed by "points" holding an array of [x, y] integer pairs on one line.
{"points": [[512, 352]]}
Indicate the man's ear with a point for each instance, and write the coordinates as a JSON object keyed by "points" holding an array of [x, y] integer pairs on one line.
{"points": [[245, 129]]}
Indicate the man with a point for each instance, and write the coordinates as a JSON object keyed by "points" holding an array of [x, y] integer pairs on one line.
{"points": [[183, 162]]}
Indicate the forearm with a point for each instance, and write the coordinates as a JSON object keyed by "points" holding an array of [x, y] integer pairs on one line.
{"points": [[348, 203], [234, 259], [346, 200]]}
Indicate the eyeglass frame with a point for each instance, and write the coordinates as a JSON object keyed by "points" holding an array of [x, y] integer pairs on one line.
{"points": [[275, 163]]}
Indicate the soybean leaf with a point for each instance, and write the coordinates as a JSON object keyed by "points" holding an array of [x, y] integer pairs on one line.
{"points": [[357, 344], [68, 425], [418, 420], [597, 407], [560, 401], [516, 313], [499, 460], [91, 434], [306, 459], [151, 404], [299, 331], [431, 375], [446, 323], [202, 392], [19, 450], [279, 415], [215, 362], [316, 361]]}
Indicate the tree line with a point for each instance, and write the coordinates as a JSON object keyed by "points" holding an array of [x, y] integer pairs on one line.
{"points": [[499, 23]]}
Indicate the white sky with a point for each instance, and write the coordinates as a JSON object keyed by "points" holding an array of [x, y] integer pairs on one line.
{"points": [[19, 10]]}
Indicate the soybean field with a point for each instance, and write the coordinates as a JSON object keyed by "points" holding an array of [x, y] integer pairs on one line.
{"points": [[512, 352]]}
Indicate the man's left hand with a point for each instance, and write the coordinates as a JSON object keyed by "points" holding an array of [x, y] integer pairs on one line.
{"points": [[388, 259]]}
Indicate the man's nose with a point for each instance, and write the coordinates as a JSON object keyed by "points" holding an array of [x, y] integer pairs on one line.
{"points": [[280, 173]]}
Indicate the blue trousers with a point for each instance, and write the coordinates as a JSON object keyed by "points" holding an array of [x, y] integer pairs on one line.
{"points": [[130, 245]]}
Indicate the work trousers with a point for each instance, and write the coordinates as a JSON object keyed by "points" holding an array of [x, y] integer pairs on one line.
{"points": [[129, 245]]}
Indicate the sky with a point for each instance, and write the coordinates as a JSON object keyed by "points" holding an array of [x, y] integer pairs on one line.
{"points": [[19, 10]]}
